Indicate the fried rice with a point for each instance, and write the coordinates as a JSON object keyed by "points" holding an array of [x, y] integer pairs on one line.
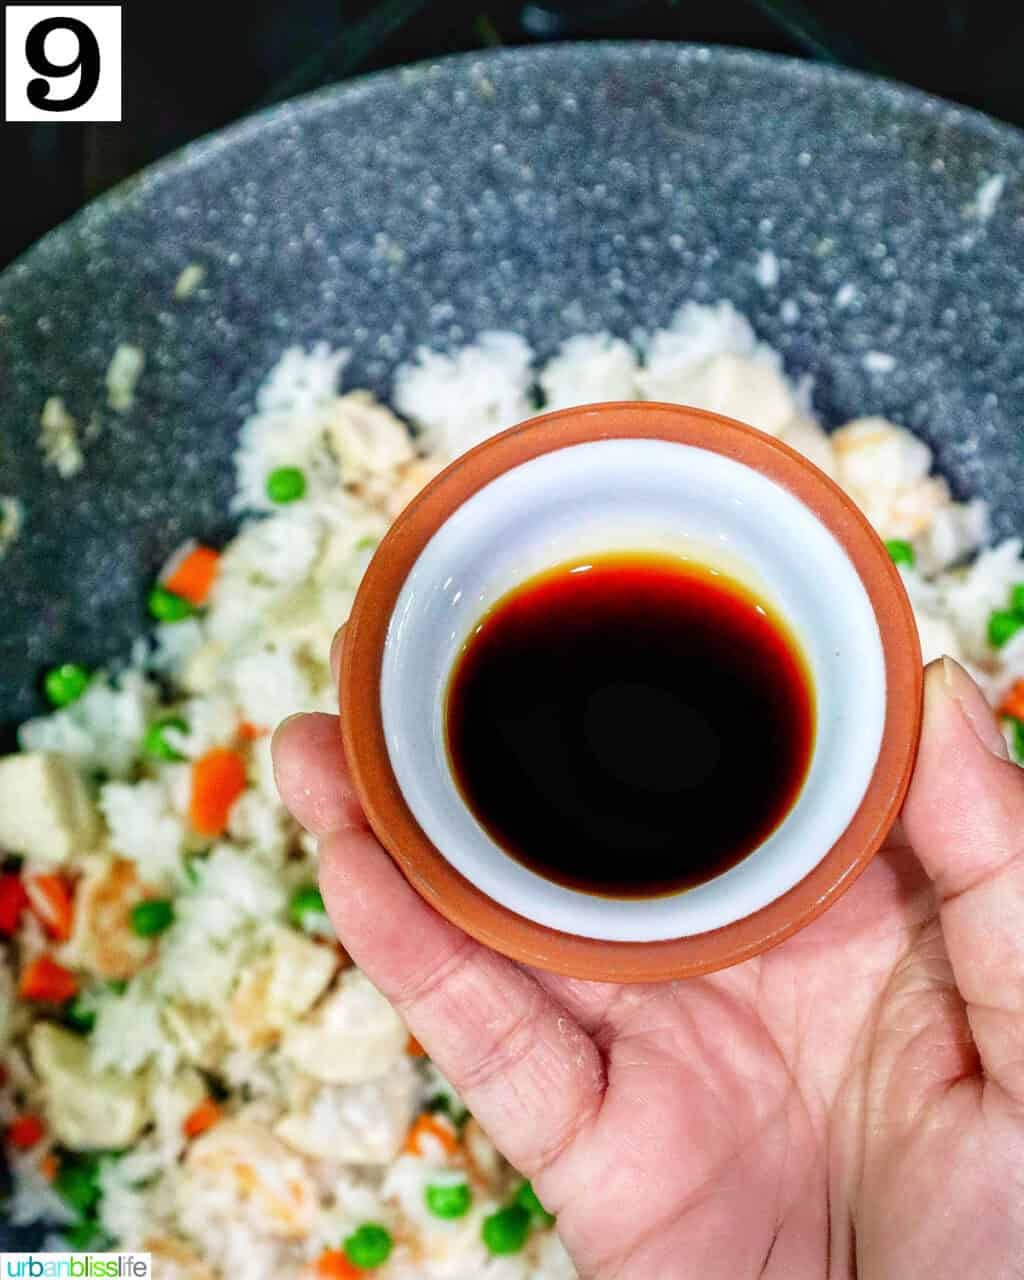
{"points": [[191, 1064]]}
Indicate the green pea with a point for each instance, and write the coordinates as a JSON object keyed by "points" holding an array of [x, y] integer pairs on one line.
{"points": [[152, 917], [506, 1231], [155, 744], [441, 1102], [1002, 624], [78, 1183], [1017, 599], [87, 1236], [526, 1198], [306, 901], [1017, 734], [368, 1246], [448, 1200], [902, 552], [79, 1016], [118, 985], [65, 684], [286, 484], [165, 606]]}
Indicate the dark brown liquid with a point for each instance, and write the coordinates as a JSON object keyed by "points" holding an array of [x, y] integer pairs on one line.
{"points": [[630, 729]]}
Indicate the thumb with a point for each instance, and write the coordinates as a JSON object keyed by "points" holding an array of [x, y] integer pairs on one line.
{"points": [[964, 817]]}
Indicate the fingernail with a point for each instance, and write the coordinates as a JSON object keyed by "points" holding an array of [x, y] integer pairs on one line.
{"points": [[296, 715], [977, 712], [336, 643]]}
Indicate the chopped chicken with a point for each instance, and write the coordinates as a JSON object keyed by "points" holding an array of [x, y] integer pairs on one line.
{"points": [[103, 940], [353, 1035], [197, 1032], [85, 1108], [279, 988], [357, 1123], [46, 814], [269, 1185], [368, 441]]}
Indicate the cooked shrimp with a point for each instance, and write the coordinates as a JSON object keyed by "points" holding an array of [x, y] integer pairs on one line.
{"points": [[174, 1260], [269, 1184], [884, 468], [102, 940]]}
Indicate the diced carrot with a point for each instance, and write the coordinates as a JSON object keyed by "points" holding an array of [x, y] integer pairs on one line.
{"points": [[50, 898], [1013, 703], [193, 575], [49, 1166], [13, 901], [204, 1115], [333, 1265], [44, 979], [25, 1131], [218, 779], [414, 1049], [249, 732], [434, 1128]]}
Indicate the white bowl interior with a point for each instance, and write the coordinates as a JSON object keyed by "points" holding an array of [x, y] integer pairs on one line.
{"points": [[639, 495]]}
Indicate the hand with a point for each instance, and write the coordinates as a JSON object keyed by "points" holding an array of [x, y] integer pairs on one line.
{"points": [[849, 1104]]}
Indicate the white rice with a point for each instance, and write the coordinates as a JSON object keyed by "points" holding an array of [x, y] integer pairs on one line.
{"points": [[767, 270], [58, 439], [189, 280], [12, 517], [588, 369], [987, 197], [123, 375], [459, 400], [257, 651], [143, 827], [101, 731]]}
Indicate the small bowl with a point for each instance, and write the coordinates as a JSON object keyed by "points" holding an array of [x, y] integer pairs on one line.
{"points": [[640, 477]]}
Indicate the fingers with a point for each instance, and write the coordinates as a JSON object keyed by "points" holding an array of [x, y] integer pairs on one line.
{"points": [[309, 768], [964, 816], [523, 1065]]}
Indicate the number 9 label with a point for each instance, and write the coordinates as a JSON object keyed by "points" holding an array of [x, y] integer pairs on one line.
{"points": [[62, 62]]}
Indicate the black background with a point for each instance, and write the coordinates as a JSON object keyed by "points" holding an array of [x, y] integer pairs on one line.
{"points": [[191, 68]]}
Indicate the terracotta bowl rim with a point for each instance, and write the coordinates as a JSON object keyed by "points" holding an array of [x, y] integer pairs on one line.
{"points": [[463, 903]]}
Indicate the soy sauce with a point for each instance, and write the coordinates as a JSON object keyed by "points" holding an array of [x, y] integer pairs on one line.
{"points": [[630, 726]]}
